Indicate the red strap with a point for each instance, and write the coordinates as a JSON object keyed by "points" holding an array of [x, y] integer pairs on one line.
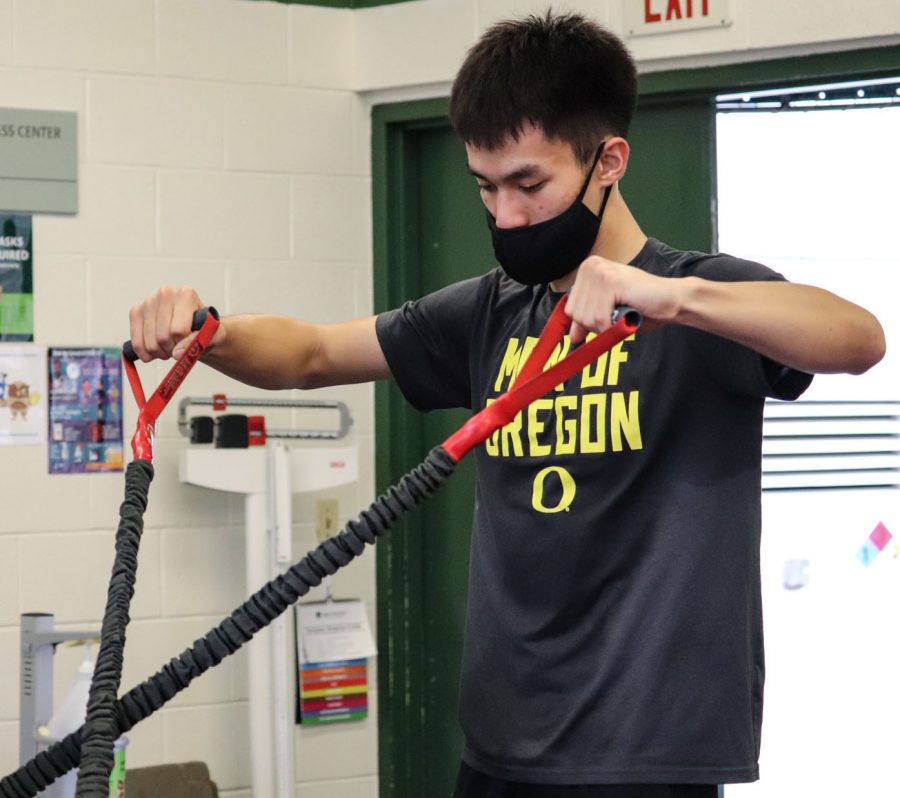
{"points": [[136, 388], [150, 409], [551, 335], [502, 411]]}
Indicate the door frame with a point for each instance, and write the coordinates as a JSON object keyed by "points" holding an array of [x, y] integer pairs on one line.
{"points": [[399, 442]]}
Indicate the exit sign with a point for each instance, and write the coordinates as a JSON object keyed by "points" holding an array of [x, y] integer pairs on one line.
{"points": [[643, 17]]}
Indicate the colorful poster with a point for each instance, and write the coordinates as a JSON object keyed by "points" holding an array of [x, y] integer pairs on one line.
{"points": [[333, 692], [16, 298], [85, 424], [23, 392], [334, 641]]}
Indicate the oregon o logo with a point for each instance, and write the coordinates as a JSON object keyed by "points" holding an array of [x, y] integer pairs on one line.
{"points": [[567, 483]]}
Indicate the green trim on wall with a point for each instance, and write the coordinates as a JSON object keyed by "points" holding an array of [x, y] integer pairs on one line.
{"points": [[352, 4], [398, 444], [389, 201], [797, 70]]}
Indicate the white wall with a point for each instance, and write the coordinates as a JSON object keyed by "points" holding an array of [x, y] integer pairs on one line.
{"points": [[220, 146], [225, 144], [433, 35]]}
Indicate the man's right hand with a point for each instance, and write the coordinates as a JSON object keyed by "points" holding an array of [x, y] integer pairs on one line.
{"points": [[161, 324], [272, 352]]}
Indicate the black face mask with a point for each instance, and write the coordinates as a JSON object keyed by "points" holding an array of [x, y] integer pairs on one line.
{"points": [[541, 253]]}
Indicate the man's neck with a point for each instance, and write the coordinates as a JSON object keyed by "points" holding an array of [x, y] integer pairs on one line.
{"points": [[620, 239]]}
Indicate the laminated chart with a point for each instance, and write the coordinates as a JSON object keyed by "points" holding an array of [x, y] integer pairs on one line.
{"points": [[334, 691]]}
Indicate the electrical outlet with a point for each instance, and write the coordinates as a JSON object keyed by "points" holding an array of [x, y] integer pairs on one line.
{"points": [[326, 518]]}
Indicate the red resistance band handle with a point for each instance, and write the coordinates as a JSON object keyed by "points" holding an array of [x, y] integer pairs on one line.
{"points": [[207, 322], [534, 385]]}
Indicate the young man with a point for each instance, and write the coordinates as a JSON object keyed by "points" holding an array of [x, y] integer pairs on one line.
{"points": [[614, 639]]}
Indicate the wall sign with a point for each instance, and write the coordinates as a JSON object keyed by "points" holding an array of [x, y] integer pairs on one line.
{"points": [[333, 630], [23, 391], [38, 161], [643, 17], [332, 692], [85, 416], [16, 300]]}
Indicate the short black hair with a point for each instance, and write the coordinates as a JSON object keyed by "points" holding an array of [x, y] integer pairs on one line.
{"points": [[561, 72]]}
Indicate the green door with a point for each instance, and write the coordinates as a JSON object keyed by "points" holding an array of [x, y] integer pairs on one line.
{"points": [[423, 566], [453, 244]]}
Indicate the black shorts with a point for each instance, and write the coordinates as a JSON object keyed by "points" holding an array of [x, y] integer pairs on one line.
{"points": [[472, 784]]}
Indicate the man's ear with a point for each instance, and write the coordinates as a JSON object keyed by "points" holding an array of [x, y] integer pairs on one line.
{"points": [[613, 161]]}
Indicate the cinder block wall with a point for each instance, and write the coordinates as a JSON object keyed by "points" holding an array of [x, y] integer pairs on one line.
{"points": [[220, 146], [225, 144], [422, 43]]}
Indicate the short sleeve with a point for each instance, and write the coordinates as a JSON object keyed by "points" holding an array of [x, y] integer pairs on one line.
{"points": [[736, 367], [427, 344]]}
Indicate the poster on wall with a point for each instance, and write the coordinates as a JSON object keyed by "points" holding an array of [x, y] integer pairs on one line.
{"points": [[334, 692], [23, 395], [16, 297], [334, 641], [85, 417]]}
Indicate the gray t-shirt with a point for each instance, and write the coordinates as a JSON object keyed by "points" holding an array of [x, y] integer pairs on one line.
{"points": [[614, 626]]}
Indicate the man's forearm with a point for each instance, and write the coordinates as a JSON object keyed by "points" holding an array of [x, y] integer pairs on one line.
{"points": [[270, 352], [796, 325]]}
